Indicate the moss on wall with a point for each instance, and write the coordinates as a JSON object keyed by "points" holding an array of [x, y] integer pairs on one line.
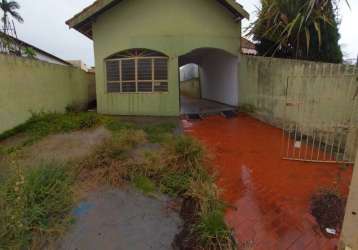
{"points": [[171, 27], [33, 86]]}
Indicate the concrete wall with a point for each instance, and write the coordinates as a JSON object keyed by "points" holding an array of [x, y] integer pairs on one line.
{"points": [[190, 88], [219, 78], [189, 72], [349, 236], [299, 91], [172, 27], [30, 85]]}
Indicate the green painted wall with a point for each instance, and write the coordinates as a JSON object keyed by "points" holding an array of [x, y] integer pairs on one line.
{"points": [[172, 27], [30, 85]]}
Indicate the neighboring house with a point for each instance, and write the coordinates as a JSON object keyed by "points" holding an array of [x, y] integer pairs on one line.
{"points": [[140, 45], [39, 53], [79, 64], [248, 47]]}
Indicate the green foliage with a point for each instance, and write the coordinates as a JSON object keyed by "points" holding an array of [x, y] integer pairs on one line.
{"points": [[10, 7], [34, 204], [115, 125], [177, 168], [144, 184], [175, 184], [212, 228], [159, 133], [303, 29], [29, 52], [189, 151], [43, 124]]}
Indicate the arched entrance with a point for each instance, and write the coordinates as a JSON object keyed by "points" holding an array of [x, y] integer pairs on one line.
{"points": [[214, 82]]}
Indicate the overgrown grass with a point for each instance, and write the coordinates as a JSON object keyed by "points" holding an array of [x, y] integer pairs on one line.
{"points": [[176, 169], [34, 206], [43, 124]]}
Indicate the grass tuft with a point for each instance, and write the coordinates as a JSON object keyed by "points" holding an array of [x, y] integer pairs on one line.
{"points": [[144, 184], [34, 205], [43, 124]]}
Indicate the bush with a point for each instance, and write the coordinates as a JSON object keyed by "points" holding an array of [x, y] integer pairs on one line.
{"points": [[34, 204]]}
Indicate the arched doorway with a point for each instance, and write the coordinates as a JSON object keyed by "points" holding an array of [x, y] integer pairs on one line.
{"points": [[217, 89]]}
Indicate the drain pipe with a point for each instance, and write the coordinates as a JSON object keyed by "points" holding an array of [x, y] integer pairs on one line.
{"points": [[349, 236]]}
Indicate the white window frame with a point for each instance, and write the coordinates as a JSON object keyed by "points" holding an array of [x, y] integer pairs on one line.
{"points": [[153, 81]]}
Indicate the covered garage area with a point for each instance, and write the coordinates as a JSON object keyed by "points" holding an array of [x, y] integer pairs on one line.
{"points": [[208, 81]]}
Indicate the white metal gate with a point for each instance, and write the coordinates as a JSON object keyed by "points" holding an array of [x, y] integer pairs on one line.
{"points": [[321, 118]]}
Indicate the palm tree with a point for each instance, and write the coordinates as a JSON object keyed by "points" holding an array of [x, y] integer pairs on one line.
{"points": [[10, 8], [292, 27]]}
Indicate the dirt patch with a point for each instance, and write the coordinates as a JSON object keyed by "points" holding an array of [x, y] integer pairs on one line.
{"points": [[328, 208], [186, 239], [65, 147]]}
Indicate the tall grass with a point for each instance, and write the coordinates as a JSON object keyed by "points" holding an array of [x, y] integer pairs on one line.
{"points": [[177, 169], [44, 124], [34, 206]]}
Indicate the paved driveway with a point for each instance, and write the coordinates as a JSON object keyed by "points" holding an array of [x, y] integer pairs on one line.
{"points": [[270, 196]]}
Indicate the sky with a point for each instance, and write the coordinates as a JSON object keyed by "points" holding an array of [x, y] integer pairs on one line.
{"points": [[45, 27]]}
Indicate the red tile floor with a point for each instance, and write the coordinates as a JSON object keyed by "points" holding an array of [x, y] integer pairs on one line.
{"points": [[269, 196]]}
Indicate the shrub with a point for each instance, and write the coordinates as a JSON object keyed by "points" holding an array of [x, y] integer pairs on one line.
{"points": [[34, 203]]}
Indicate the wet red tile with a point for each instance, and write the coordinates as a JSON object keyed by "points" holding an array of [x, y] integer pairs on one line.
{"points": [[271, 195]]}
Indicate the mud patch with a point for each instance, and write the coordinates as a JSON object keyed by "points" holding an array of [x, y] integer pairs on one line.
{"points": [[122, 219], [328, 208], [65, 147], [186, 239]]}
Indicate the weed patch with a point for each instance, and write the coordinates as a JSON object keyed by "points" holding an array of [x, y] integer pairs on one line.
{"points": [[177, 169], [34, 206], [43, 124], [144, 184], [159, 133]]}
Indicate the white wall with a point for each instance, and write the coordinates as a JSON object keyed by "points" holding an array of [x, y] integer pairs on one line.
{"points": [[189, 72], [219, 78]]}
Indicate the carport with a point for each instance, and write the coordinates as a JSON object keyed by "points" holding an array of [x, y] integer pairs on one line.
{"points": [[208, 81]]}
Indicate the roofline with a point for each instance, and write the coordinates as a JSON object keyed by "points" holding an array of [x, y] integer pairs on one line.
{"points": [[82, 21], [36, 48]]}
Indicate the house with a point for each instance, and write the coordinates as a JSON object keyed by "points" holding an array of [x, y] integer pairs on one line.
{"points": [[248, 47], [79, 64], [140, 45], [17, 47]]}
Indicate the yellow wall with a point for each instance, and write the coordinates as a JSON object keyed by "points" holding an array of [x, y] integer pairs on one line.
{"points": [[32, 86]]}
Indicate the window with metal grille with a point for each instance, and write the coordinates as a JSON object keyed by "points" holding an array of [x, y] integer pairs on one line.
{"points": [[137, 72]]}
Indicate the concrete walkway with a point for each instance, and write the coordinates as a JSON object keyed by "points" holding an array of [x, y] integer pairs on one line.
{"points": [[122, 219], [189, 105], [271, 196]]}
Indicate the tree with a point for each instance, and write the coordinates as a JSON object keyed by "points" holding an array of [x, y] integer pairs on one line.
{"points": [[10, 8], [302, 29]]}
